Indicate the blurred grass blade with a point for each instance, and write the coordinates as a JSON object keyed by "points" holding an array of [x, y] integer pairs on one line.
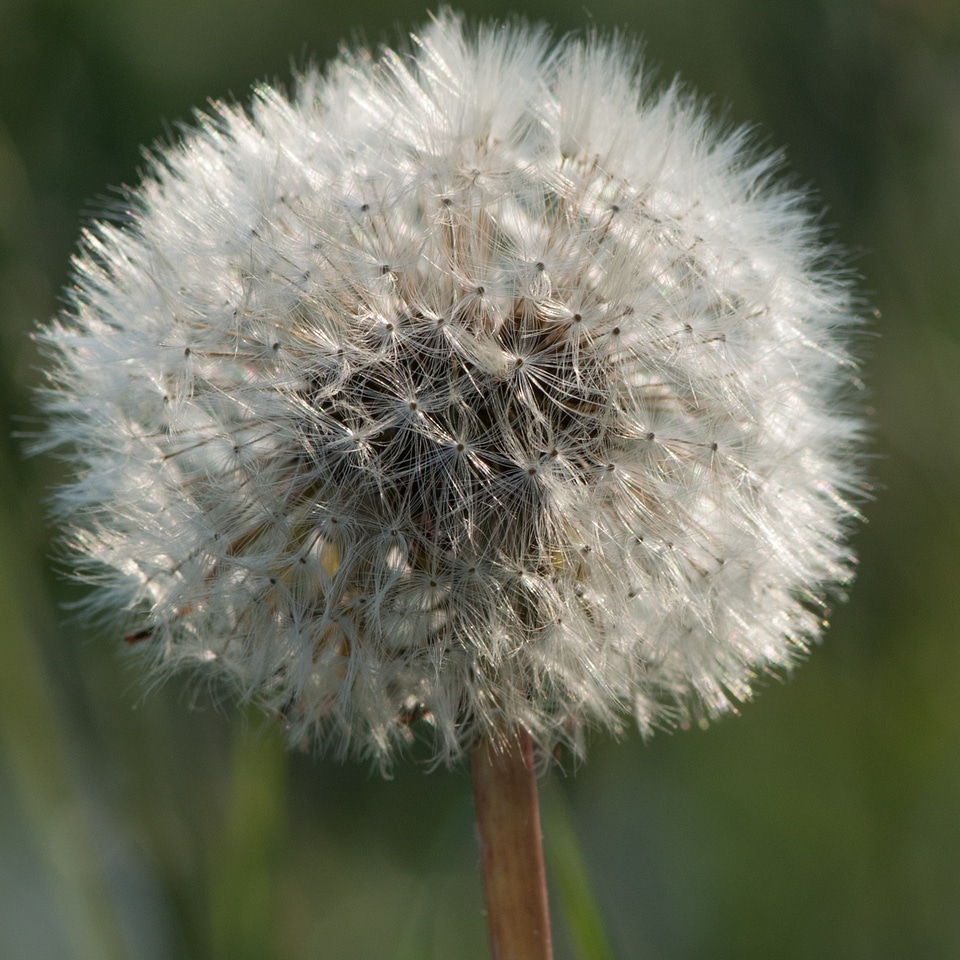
{"points": [[36, 752], [243, 868], [568, 872]]}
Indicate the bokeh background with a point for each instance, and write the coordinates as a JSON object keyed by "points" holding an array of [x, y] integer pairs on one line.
{"points": [[822, 823]]}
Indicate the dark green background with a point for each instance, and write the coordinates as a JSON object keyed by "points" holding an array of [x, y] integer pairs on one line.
{"points": [[825, 822]]}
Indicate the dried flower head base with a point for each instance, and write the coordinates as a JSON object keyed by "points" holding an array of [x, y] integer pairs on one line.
{"points": [[475, 383]]}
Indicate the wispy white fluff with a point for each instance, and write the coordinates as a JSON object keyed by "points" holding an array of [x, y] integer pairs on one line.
{"points": [[476, 384]]}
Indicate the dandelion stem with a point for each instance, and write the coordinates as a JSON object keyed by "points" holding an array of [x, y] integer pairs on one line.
{"points": [[508, 819]]}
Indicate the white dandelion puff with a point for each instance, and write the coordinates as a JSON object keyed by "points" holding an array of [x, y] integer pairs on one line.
{"points": [[477, 383]]}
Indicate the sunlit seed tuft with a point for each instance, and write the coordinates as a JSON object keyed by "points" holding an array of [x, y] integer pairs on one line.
{"points": [[479, 385]]}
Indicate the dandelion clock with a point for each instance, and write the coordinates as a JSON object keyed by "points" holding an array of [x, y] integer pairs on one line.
{"points": [[474, 389]]}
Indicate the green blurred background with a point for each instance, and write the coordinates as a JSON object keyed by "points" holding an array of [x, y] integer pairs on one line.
{"points": [[824, 822]]}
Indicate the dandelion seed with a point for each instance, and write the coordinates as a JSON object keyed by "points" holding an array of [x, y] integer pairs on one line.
{"points": [[478, 385]]}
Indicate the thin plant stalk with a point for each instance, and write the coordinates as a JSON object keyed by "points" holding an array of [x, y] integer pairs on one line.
{"points": [[511, 848]]}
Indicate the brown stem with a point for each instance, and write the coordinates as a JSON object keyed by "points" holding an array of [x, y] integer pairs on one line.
{"points": [[514, 878]]}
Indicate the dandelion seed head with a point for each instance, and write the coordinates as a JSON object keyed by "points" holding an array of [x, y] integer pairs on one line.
{"points": [[478, 384]]}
